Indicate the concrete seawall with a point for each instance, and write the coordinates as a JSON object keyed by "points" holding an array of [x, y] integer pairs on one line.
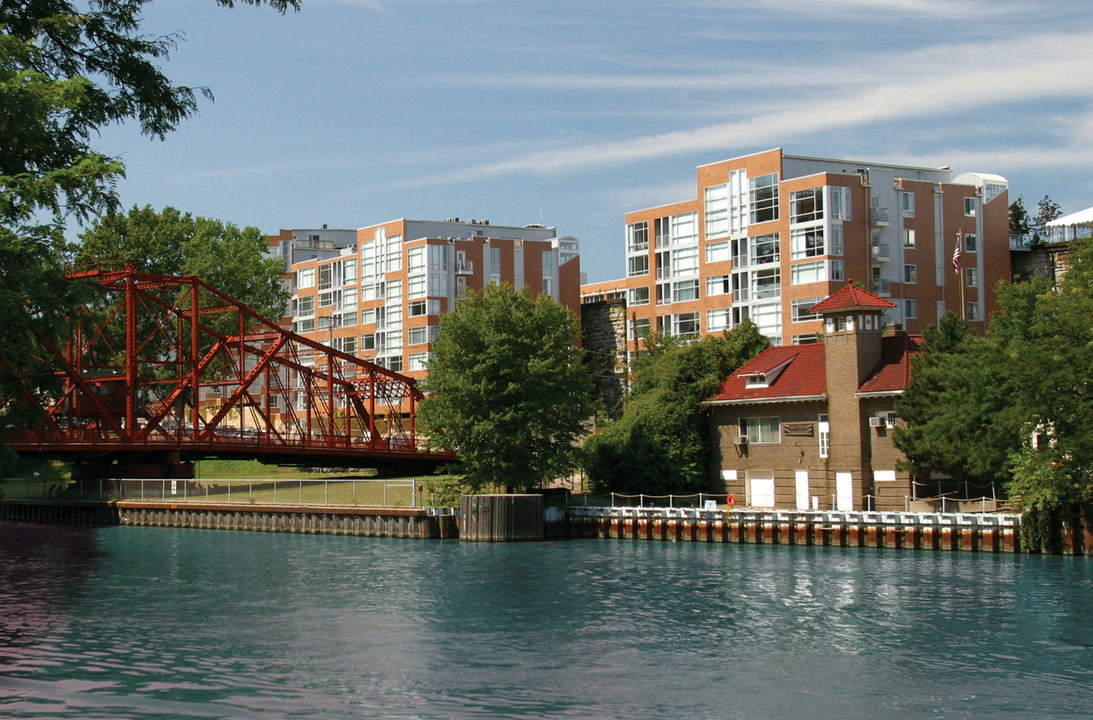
{"points": [[969, 532], [421, 523]]}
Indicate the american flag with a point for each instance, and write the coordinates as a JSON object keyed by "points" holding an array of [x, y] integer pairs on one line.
{"points": [[956, 257]]}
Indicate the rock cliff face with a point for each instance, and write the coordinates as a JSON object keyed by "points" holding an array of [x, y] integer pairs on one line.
{"points": [[603, 334]]}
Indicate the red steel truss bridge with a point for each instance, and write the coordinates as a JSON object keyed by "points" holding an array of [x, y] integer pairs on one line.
{"points": [[165, 370]]}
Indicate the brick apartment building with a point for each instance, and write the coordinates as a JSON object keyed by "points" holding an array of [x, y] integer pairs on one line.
{"points": [[769, 235], [378, 292], [810, 426]]}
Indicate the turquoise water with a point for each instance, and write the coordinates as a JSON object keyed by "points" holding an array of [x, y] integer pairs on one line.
{"points": [[147, 622]]}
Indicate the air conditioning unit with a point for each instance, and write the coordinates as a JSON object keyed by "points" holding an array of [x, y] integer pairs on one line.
{"points": [[876, 421]]}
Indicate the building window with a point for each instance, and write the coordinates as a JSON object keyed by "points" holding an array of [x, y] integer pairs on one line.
{"points": [[806, 205], [418, 335], [806, 242], [638, 296], [969, 206], [638, 328], [767, 283], [971, 277], [908, 238], [305, 305], [305, 278], [763, 197], [765, 249], [717, 320], [685, 290], [907, 204], [664, 293], [685, 229], [662, 233], [718, 252], [417, 308], [304, 326], [718, 285], [835, 269], [349, 271], [685, 324], [685, 262], [418, 361], [910, 274], [806, 339], [971, 243], [824, 434], [801, 307], [973, 311], [910, 309], [717, 211], [637, 237], [807, 272], [761, 430], [839, 208], [638, 265]]}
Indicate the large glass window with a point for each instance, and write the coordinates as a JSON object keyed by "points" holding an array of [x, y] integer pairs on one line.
{"points": [[806, 242], [717, 211], [718, 285], [685, 290], [764, 249], [839, 207], [801, 307], [763, 196], [663, 232], [806, 205], [685, 229], [305, 306], [767, 283], [637, 265], [718, 252], [305, 278], [717, 320], [685, 324], [637, 237], [738, 201], [638, 296], [910, 274], [685, 262]]}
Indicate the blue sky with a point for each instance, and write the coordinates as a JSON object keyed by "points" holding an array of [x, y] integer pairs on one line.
{"points": [[571, 113]]}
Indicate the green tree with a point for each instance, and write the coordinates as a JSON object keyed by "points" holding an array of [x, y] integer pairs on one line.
{"points": [[231, 259], [1019, 219], [1046, 211], [661, 444], [508, 389], [959, 415], [67, 70]]}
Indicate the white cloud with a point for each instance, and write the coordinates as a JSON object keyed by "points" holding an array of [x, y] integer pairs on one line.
{"points": [[940, 83]]}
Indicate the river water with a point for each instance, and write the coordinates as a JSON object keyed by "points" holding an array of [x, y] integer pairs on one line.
{"points": [[146, 622]]}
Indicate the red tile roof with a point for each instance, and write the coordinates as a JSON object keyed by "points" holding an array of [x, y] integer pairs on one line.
{"points": [[851, 297], [803, 377], [894, 369]]}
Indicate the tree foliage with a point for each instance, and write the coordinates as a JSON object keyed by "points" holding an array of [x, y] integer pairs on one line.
{"points": [[1016, 404], [661, 444], [67, 70], [508, 389], [233, 260]]}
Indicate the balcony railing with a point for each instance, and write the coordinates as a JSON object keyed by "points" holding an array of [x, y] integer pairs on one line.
{"points": [[880, 252], [878, 216]]}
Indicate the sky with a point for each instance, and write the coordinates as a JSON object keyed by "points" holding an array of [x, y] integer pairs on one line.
{"points": [[572, 113]]}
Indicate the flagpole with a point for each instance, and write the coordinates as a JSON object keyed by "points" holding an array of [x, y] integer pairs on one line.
{"points": [[960, 280]]}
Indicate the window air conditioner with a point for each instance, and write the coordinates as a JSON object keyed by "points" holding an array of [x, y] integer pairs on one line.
{"points": [[875, 421]]}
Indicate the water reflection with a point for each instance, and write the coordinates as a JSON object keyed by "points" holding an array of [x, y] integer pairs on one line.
{"points": [[165, 623]]}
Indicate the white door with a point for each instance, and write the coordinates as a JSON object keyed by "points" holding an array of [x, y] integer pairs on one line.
{"points": [[801, 477], [761, 488], [844, 491]]}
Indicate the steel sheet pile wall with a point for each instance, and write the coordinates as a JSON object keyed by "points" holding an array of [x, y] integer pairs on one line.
{"points": [[500, 518]]}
